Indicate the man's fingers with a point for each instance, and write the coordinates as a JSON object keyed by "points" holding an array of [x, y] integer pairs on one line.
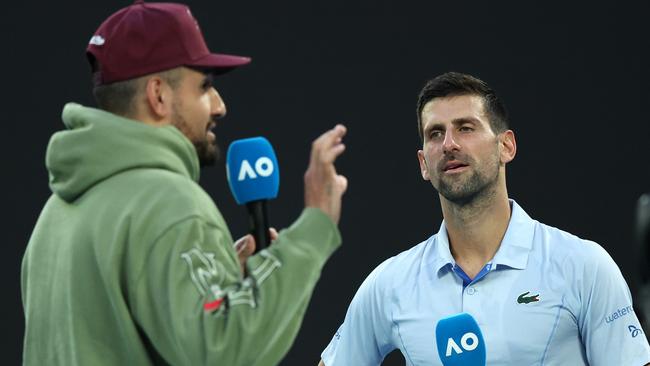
{"points": [[245, 246], [273, 233], [323, 187], [331, 136], [342, 182], [327, 140], [240, 243], [329, 155]]}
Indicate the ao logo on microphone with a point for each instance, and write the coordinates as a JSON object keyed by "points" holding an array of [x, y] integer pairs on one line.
{"points": [[468, 342], [263, 167], [252, 170], [460, 341]]}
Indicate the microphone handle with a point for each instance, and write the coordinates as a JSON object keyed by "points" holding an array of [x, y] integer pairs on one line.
{"points": [[259, 223]]}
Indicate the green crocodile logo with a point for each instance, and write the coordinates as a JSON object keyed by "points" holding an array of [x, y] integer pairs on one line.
{"points": [[523, 299]]}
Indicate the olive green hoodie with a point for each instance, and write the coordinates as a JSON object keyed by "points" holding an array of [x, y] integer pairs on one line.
{"points": [[131, 263]]}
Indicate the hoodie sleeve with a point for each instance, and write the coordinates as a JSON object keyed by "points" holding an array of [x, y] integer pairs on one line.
{"points": [[196, 309]]}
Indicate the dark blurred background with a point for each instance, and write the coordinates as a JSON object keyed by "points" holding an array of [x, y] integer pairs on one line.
{"points": [[574, 77]]}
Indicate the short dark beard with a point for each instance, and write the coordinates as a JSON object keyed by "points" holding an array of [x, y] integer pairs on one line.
{"points": [[208, 153], [477, 187]]}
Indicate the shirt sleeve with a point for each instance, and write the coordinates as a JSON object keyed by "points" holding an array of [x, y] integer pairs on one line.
{"points": [[609, 328], [364, 338], [195, 308]]}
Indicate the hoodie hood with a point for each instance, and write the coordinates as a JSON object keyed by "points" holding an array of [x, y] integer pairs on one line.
{"points": [[98, 144]]}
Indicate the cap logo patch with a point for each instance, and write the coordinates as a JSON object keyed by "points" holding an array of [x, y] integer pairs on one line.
{"points": [[97, 40]]}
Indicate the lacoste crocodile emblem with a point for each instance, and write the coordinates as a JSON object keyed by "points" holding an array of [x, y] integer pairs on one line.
{"points": [[523, 299]]}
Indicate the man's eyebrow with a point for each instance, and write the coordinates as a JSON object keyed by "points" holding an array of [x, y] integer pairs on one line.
{"points": [[208, 79], [455, 122], [463, 120], [433, 126]]}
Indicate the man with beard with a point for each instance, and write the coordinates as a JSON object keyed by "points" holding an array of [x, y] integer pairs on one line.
{"points": [[130, 262], [541, 296]]}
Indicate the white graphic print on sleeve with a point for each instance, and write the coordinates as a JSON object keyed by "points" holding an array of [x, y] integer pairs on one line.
{"points": [[208, 276]]}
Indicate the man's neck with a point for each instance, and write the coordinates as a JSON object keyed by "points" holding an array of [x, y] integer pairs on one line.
{"points": [[475, 230]]}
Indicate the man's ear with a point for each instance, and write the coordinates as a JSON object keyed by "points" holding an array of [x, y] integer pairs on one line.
{"points": [[508, 146], [424, 170], [158, 96]]}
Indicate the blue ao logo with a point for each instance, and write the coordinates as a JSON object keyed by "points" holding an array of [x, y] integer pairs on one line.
{"points": [[263, 167], [469, 341], [634, 331]]}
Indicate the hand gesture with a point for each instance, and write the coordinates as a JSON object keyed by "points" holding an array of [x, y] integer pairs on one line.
{"points": [[323, 186]]}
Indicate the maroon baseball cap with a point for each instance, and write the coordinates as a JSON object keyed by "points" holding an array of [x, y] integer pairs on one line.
{"points": [[145, 38]]}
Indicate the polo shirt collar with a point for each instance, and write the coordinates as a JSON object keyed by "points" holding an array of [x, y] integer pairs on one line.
{"points": [[514, 249]]}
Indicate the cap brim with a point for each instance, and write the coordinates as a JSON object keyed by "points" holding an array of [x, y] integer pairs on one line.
{"points": [[220, 63]]}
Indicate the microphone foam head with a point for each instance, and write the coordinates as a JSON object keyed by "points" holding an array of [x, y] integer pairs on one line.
{"points": [[252, 170], [460, 341]]}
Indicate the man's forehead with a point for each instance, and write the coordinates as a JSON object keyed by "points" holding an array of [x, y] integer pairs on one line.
{"points": [[454, 108], [447, 109], [195, 75], [193, 71]]}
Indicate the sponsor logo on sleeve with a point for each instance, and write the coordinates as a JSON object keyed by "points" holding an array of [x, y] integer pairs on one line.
{"points": [[634, 331], [619, 313]]}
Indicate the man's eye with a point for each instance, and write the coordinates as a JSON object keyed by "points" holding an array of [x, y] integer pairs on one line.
{"points": [[435, 134], [207, 83], [465, 129]]}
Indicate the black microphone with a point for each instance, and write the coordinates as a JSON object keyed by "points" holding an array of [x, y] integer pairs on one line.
{"points": [[254, 178]]}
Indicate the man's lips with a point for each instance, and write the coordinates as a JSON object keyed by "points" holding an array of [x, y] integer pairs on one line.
{"points": [[208, 131], [453, 165]]}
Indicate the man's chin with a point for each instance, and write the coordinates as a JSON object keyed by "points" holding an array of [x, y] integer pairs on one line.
{"points": [[466, 193], [459, 198], [207, 161], [458, 192], [207, 153]]}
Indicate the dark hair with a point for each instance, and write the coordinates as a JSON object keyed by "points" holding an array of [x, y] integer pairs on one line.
{"points": [[452, 84], [118, 97]]}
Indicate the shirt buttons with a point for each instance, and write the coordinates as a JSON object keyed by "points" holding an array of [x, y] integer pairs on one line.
{"points": [[471, 291]]}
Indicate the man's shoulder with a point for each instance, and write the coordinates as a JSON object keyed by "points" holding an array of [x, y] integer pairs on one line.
{"points": [[398, 268], [162, 194], [564, 245], [162, 182], [414, 254]]}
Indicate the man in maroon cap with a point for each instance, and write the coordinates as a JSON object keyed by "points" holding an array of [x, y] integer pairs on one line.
{"points": [[130, 262]]}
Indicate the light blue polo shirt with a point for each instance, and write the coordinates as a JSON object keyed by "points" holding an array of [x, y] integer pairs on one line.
{"points": [[582, 314]]}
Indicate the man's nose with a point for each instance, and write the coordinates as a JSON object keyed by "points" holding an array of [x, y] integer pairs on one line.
{"points": [[449, 144], [218, 107]]}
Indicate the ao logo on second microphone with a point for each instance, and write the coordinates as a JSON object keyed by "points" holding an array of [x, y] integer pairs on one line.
{"points": [[468, 342], [460, 341], [263, 167]]}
